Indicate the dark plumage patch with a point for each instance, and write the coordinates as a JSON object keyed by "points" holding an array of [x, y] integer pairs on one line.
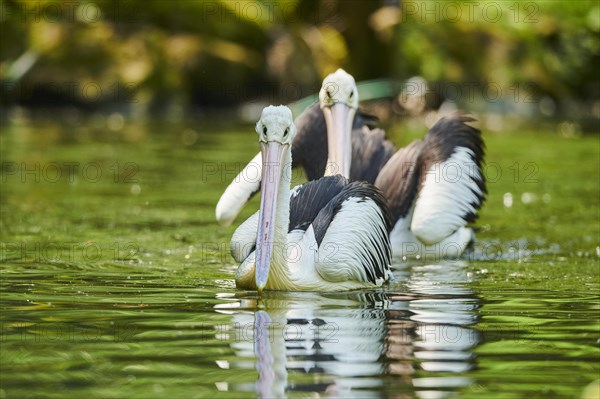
{"points": [[309, 148], [450, 132], [363, 119], [311, 197], [399, 179], [370, 152]]}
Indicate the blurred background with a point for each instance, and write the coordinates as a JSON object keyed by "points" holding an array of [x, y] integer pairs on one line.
{"points": [[122, 122], [504, 60]]}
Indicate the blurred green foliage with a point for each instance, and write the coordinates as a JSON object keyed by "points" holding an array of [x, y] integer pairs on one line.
{"points": [[222, 52]]}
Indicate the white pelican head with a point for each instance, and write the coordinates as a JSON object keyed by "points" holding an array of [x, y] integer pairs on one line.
{"points": [[339, 87], [276, 131], [338, 99], [276, 124]]}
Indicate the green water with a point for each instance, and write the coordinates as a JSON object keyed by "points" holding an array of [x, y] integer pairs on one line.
{"points": [[117, 283]]}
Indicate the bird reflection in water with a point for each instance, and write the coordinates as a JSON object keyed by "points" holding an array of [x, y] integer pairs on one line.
{"points": [[361, 343]]}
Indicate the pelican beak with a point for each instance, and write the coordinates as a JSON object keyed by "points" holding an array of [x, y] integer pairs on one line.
{"points": [[272, 156], [339, 118]]}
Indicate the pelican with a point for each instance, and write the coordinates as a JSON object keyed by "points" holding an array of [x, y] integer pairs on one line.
{"points": [[434, 187], [325, 235]]}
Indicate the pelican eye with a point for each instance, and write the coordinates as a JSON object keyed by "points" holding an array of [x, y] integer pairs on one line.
{"points": [[287, 129], [351, 94], [264, 130]]}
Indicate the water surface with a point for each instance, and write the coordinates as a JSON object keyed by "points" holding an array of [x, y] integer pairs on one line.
{"points": [[116, 281]]}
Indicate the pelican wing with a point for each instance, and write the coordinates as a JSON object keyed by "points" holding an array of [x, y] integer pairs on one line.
{"points": [[370, 152], [309, 148], [452, 184], [351, 225], [308, 199], [399, 179], [243, 241], [239, 191], [352, 232]]}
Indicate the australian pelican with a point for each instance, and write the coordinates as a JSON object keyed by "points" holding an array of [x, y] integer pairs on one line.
{"points": [[325, 235], [434, 186]]}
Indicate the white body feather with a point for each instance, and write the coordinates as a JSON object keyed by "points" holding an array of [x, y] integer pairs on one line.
{"points": [[406, 245], [448, 193]]}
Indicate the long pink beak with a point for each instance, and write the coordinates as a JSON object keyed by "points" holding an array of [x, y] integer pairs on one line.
{"points": [[339, 118], [273, 157]]}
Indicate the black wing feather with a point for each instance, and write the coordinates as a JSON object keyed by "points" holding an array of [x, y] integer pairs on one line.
{"points": [[309, 148], [399, 179], [308, 199], [370, 152]]}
